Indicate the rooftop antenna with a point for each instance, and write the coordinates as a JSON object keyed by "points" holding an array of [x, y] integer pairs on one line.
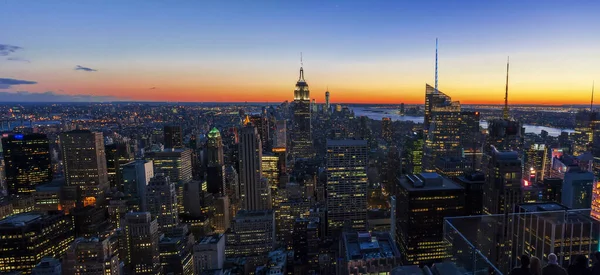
{"points": [[436, 64], [301, 69], [592, 103], [506, 91]]}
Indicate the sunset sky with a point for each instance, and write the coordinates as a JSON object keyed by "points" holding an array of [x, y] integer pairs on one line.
{"points": [[364, 51]]}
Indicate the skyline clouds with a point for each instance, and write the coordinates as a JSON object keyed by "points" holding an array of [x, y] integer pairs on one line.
{"points": [[6, 83], [85, 69], [51, 96], [6, 49]]}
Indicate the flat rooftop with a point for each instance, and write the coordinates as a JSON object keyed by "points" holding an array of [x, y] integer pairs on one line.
{"points": [[428, 182], [365, 246], [20, 219], [211, 239]]}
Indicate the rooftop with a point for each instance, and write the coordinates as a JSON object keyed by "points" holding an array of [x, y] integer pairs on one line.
{"points": [[20, 219], [428, 182], [211, 239], [365, 246], [254, 214]]}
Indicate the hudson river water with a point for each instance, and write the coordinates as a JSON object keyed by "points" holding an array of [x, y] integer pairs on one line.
{"points": [[378, 113]]}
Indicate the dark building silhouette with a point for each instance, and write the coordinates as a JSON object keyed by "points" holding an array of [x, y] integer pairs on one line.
{"points": [[27, 162], [173, 136]]}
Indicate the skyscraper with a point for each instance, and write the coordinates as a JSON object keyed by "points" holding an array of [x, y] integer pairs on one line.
{"points": [[280, 134], [424, 200], [577, 188], [386, 129], [175, 163], [136, 176], [29, 237], [302, 144], [141, 244], [27, 162], [254, 192], [173, 136], [327, 106], [252, 235], [502, 193], [117, 154], [261, 123], [346, 185], [161, 202], [215, 170], [94, 255], [441, 128], [84, 162]]}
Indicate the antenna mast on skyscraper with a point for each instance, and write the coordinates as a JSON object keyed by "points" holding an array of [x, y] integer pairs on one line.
{"points": [[436, 65], [301, 69], [506, 92], [592, 104]]}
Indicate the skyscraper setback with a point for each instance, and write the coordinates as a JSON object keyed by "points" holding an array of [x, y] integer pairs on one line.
{"points": [[302, 144]]}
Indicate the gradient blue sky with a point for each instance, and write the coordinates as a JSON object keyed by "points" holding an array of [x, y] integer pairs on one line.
{"points": [[365, 51]]}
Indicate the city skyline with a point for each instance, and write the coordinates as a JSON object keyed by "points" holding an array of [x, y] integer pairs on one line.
{"points": [[376, 52]]}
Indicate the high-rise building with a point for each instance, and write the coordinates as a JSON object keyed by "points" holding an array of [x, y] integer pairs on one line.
{"points": [[84, 163], [346, 185], [255, 193], [141, 244], [27, 162], [270, 169], [175, 163], [302, 143], [214, 148], [221, 216], [327, 106], [209, 253], [442, 128], [252, 234], [577, 188], [161, 202], [473, 183], [424, 200], [586, 123], [471, 138], [92, 256], [503, 188], [173, 136], [215, 171], [280, 134], [29, 237], [386, 129], [136, 176], [117, 154], [535, 163], [261, 123], [176, 252]]}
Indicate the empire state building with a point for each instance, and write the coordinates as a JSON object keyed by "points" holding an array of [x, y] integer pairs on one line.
{"points": [[302, 143]]}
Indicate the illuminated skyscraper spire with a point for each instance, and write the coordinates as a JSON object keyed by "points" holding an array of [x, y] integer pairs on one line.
{"points": [[506, 92], [301, 69], [436, 65]]}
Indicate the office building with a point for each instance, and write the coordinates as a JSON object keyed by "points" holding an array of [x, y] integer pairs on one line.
{"points": [[222, 215], [368, 252], [27, 162], [48, 266], [173, 136], [209, 253], [452, 167], [270, 169], [503, 183], [141, 244], [136, 176], [84, 163], [471, 138], [93, 256], [327, 103], [47, 196], [302, 143], [90, 220], [174, 163], [577, 188], [423, 201], [161, 202], [29, 237], [176, 252], [306, 242], [117, 154], [386, 129], [255, 193], [261, 123], [346, 185], [473, 183], [441, 128], [252, 234], [214, 148], [536, 159], [280, 134]]}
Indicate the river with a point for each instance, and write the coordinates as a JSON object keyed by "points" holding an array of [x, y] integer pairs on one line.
{"points": [[379, 113]]}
